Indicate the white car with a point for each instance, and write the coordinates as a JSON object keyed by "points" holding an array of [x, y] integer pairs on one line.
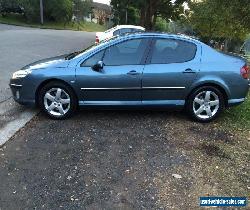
{"points": [[118, 30]]}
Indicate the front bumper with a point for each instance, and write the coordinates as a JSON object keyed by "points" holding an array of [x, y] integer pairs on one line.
{"points": [[22, 94]]}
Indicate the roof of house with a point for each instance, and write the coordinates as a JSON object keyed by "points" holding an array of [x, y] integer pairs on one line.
{"points": [[101, 6]]}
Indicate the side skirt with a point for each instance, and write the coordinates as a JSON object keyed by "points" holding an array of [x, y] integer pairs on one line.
{"points": [[150, 103]]}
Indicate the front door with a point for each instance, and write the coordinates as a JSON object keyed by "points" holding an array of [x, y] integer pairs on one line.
{"points": [[173, 66], [119, 82]]}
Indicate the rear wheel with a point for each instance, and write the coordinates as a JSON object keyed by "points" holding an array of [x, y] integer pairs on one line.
{"points": [[57, 100], [205, 104]]}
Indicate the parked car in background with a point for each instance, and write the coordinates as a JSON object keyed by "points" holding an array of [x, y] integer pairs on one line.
{"points": [[149, 70], [118, 30]]}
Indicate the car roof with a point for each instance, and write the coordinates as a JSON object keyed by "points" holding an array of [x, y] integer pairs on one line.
{"points": [[118, 39], [129, 26], [161, 35]]}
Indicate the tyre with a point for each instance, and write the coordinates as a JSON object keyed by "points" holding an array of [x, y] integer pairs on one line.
{"points": [[205, 104], [57, 100]]}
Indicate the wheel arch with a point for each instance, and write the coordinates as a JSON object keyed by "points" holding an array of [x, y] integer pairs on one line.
{"points": [[220, 87], [45, 82]]}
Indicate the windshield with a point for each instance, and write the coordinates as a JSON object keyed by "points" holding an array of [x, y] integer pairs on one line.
{"points": [[92, 47], [111, 29]]}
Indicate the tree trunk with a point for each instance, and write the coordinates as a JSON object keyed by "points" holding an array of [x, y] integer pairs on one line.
{"points": [[41, 11], [226, 47], [154, 21], [142, 20], [126, 16], [151, 11], [149, 16]]}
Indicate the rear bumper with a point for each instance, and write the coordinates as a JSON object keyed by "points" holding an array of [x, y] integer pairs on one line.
{"points": [[235, 102]]}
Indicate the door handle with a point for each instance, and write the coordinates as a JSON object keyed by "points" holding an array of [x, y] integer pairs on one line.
{"points": [[133, 72], [189, 71]]}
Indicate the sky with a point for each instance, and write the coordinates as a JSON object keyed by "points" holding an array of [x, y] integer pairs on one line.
{"points": [[103, 1]]}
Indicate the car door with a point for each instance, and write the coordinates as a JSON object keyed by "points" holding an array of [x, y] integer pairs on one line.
{"points": [[171, 68], [119, 82]]}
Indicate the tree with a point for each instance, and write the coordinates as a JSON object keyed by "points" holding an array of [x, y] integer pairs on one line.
{"points": [[58, 10], [124, 12], [31, 9], [54, 10], [221, 19], [149, 10], [81, 8]]}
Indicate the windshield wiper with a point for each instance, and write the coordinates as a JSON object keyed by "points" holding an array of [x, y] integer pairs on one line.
{"points": [[72, 55]]}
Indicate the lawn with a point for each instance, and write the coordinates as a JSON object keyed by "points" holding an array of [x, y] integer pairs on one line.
{"points": [[238, 117], [78, 26]]}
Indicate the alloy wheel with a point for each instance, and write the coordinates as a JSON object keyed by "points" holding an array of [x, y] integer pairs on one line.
{"points": [[57, 102], [206, 104]]}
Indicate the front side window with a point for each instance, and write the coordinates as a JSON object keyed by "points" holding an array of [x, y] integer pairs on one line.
{"points": [[172, 51], [93, 59], [126, 53]]}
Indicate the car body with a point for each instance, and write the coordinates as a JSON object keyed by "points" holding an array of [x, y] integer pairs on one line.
{"points": [[117, 31], [137, 70]]}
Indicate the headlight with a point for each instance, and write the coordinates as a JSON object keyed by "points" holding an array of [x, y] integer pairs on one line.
{"points": [[21, 74]]}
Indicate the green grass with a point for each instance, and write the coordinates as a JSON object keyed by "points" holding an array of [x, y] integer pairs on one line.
{"points": [[238, 117], [82, 26]]}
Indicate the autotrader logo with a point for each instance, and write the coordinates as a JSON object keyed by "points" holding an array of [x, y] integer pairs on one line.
{"points": [[223, 201]]}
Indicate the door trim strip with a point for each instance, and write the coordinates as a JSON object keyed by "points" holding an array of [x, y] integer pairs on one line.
{"points": [[128, 88], [133, 88], [163, 88]]}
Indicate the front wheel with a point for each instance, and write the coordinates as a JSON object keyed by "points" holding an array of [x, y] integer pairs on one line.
{"points": [[57, 100], [205, 104]]}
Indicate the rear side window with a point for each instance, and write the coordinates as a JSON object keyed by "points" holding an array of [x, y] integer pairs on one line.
{"points": [[137, 30], [167, 51], [125, 30], [117, 32]]}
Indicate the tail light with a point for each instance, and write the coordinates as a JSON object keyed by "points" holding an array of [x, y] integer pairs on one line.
{"points": [[97, 39], [245, 72]]}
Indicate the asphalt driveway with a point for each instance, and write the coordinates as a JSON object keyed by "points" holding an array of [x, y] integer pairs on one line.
{"points": [[120, 160], [109, 159], [20, 46]]}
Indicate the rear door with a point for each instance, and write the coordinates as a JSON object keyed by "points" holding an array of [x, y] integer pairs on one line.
{"points": [[172, 66]]}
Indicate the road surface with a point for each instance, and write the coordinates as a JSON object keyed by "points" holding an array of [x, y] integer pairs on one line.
{"points": [[20, 46]]}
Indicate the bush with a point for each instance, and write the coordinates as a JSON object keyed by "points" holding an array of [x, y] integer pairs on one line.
{"points": [[161, 25], [58, 10], [54, 10], [31, 9]]}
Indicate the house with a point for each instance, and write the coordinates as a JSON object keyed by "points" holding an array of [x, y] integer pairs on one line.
{"points": [[101, 13]]}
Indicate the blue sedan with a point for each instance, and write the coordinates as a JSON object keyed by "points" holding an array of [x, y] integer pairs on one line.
{"points": [[150, 70]]}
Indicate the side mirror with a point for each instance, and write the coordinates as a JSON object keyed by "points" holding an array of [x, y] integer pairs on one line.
{"points": [[98, 66]]}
